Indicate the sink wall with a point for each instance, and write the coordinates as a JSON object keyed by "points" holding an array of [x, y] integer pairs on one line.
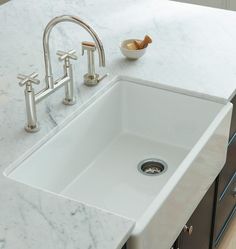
{"points": [[179, 119]]}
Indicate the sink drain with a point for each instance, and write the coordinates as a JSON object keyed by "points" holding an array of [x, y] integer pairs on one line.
{"points": [[152, 167]]}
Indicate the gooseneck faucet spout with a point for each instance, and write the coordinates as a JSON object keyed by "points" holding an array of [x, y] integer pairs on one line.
{"points": [[46, 36]]}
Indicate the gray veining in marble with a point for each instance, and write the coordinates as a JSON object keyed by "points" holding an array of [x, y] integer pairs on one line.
{"points": [[194, 48]]}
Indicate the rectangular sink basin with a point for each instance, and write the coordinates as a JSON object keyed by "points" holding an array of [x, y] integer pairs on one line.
{"points": [[99, 156]]}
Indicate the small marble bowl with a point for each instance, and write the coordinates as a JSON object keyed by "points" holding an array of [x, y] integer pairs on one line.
{"points": [[131, 54]]}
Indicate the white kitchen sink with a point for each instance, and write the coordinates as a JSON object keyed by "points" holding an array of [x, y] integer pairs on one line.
{"points": [[94, 158]]}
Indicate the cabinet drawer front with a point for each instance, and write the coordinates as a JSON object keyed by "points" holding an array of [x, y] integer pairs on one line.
{"points": [[225, 207], [229, 168], [224, 228]]}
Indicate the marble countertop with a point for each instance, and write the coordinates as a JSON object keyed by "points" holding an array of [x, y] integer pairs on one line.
{"points": [[194, 49]]}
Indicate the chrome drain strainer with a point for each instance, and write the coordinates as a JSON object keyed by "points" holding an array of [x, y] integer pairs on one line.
{"points": [[152, 167]]}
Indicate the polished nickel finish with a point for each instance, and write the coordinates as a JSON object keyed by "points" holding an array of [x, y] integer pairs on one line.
{"points": [[27, 81], [69, 87], [152, 167], [91, 78], [66, 80], [188, 229], [46, 35], [3, 1]]}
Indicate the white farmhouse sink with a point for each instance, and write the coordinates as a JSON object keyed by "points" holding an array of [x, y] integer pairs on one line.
{"points": [[94, 158]]}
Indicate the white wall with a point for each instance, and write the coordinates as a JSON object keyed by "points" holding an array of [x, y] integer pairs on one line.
{"points": [[231, 4], [225, 4]]}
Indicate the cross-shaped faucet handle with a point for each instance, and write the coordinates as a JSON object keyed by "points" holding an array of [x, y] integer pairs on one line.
{"points": [[64, 55], [28, 79]]}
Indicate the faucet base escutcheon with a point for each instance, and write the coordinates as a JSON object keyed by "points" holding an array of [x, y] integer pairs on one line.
{"points": [[32, 129]]}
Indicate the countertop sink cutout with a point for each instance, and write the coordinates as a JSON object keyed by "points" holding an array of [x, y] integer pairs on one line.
{"points": [[94, 158]]}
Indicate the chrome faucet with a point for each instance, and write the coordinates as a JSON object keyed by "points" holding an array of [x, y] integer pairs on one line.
{"points": [[66, 80]]}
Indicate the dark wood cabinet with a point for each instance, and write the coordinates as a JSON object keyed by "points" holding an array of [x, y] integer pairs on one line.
{"points": [[197, 232], [177, 244], [229, 170]]}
